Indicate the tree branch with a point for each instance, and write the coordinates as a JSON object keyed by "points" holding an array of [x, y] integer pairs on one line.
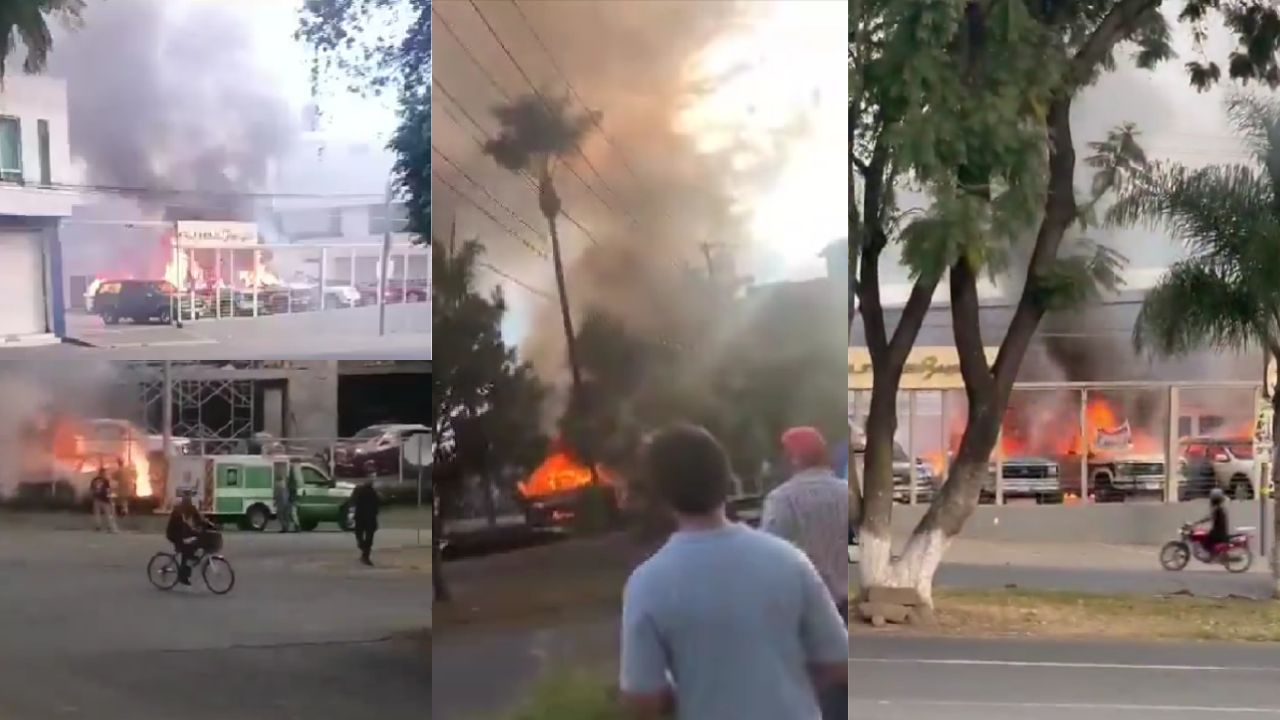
{"points": [[967, 329], [874, 239], [1059, 213], [1118, 23]]}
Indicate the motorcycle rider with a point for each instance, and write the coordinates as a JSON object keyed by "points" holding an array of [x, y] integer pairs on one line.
{"points": [[1219, 527]]}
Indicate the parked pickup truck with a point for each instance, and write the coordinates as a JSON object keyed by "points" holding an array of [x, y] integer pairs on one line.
{"points": [[1027, 478], [926, 481], [1112, 478]]}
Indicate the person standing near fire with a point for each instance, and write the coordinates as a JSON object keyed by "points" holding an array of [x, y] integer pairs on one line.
{"points": [[723, 622], [365, 503], [284, 506], [123, 487], [810, 509], [104, 512]]}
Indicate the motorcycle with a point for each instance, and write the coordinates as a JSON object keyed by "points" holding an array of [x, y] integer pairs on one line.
{"points": [[1236, 554]]}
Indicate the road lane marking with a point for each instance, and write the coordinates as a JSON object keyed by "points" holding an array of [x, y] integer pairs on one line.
{"points": [[1061, 665], [1072, 706]]}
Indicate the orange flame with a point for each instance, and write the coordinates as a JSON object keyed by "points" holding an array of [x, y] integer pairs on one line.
{"points": [[75, 453], [560, 473]]}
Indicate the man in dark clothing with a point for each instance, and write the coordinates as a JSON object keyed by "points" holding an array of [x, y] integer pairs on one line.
{"points": [[1219, 526], [366, 503], [186, 524]]}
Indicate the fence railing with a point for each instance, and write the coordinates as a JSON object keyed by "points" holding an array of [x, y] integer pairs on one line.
{"points": [[1073, 442]]}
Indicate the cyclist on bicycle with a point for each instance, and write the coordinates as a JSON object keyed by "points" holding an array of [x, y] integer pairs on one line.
{"points": [[186, 526]]}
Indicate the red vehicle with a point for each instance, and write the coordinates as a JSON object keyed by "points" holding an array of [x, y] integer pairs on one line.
{"points": [[1236, 555]]}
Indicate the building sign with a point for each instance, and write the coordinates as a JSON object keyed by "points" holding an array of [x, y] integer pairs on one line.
{"points": [[1120, 438], [927, 368], [211, 234]]}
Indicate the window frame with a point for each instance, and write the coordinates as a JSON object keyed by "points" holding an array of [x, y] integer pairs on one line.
{"points": [[6, 174]]}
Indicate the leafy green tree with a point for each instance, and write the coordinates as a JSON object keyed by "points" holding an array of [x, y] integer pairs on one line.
{"points": [[971, 101], [27, 21], [486, 405], [351, 41], [1226, 293]]}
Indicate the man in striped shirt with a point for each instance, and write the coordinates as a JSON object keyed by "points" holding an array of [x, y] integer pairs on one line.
{"points": [[811, 510]]}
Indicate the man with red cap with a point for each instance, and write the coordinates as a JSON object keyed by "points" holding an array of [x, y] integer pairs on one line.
{"points": [[811, 510]]}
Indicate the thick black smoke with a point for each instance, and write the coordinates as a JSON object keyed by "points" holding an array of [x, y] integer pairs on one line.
{"points": [[166, 95]]}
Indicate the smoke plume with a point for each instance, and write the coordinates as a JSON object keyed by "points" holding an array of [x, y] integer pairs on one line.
{"points": [[665, 193], [167, 96]]}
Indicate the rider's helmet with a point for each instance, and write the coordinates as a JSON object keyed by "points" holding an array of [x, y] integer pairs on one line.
{"points": [[1216, 496]]}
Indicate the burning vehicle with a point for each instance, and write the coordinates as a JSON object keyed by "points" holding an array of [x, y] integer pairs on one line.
{"points": [[65, 454], [1119, 469], [553, 494]]}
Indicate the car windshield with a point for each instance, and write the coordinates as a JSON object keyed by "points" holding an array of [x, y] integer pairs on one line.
{"points": [[1242, 451]]}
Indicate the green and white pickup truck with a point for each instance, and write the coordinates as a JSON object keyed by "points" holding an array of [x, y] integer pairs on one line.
{"points": [[240, 489]]}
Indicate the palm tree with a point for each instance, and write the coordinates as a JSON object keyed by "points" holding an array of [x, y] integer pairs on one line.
{"points": [[1226, 293], [27, 21], [537, 132]]}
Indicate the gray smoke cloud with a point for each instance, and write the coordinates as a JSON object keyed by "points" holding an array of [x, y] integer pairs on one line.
{"points": [[166, 95], [665, 196]]}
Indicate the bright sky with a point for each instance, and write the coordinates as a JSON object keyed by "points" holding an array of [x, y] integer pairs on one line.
{"points": [[791, 85], [287, 62]]}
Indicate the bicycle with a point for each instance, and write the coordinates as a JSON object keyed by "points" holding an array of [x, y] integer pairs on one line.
{"points": [[215, 570]]}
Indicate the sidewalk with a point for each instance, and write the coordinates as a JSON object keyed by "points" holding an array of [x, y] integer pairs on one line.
{"points": [[1072, 556]]}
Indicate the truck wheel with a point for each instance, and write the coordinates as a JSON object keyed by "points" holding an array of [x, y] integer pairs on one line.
{"points": [[1241, 488], [347, 517], [110, 318], [256, 518], [308, 525]]}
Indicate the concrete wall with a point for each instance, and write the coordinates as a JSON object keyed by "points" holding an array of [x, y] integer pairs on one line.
{"points": [[1114, 523], [31, 99], [313, 400]]}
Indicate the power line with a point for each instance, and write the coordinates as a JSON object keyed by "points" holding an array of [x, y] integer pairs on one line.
{"points": [[503, 273], [535, 250], [532, 86], [436, 84], [474, 60], [490, 195]]}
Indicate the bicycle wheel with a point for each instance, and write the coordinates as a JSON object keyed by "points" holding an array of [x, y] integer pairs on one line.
{"points": [[218, 575], [162, 571]]}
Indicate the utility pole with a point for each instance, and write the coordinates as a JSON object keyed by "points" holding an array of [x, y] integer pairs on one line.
{"points": [[385, 261], [166, 422]]}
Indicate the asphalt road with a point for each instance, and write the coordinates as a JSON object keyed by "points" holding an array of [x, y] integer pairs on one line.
{"points": [[306, 632], [905, 678]]}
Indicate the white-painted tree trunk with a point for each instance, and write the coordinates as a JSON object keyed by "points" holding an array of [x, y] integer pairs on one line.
{"points": [[914, 568]]}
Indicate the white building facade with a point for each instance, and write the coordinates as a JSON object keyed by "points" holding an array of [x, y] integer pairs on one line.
{"points": [[38, 187]]}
